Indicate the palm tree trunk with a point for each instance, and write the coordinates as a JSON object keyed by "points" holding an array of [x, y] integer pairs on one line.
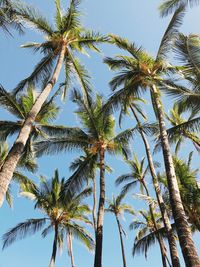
{"points": [[53, 257], [163, 250], [121, 240], [100, 216], [10, 163], [70, 250], [165, 217], [184, 233], [94, 215]]}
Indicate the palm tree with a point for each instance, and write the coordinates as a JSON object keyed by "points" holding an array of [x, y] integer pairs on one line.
{"points": [[170, 6], [61, 216], [8, 16], [140, 72], [60, 45], [145, 129], [137, 176], [97, 136], [146, 235], [116, 207]]}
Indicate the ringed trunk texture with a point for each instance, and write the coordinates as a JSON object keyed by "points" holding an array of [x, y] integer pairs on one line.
{"points": [[53, 257], [100, 215], [184, 233], [10, 163], [70, 249], [170, 235], [121, 240]]}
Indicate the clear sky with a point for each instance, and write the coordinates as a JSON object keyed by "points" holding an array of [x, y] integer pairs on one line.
{"points": [[137, 20]]}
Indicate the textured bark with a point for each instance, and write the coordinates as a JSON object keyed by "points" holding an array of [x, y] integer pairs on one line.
{"points": [[184, 233], [165, 217], [70, 249], [94, 215], [53, 257], [163, 250], [121, 240], [100, 216], [16, 151]]}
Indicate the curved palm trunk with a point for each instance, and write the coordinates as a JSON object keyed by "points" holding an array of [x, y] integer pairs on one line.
{"points": [[121, 240], [100, 216], [163, 250], [53, 256], [165, 217], [70, 250], [10, 163], [184, 233]]}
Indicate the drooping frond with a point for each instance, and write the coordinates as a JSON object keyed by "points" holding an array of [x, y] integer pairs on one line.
{"points": [[20, 231], [81, 234], [8, 101], [170, 34], [34, 19], [187, 51], [75, 139], [42, 70], [169, 6]]}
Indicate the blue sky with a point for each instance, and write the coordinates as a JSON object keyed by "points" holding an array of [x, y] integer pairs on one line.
{"points": [[137, 20]]}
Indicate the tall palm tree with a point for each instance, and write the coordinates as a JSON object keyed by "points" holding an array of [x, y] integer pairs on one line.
{"points": [[61, 44], [141, 72], [97, 136], [130, 102], [146, 235], [137, 176], [118, 208], [61, 216]]}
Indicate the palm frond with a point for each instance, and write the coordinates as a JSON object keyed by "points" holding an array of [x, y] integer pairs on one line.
{"points": [[33, 19], [41, 71], [170, 34], [23, 229]]}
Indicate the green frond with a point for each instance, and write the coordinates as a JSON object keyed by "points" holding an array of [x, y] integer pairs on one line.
{"points": [[81, 234], [9, 102], [33, 19], [23, 229], [82, 75], [42, 70], [170, 6], [124, 178], [76, 140], [187, 51], [9, 128], [170, 34]]}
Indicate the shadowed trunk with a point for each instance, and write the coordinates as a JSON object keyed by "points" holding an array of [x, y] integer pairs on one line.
{"points": [[94, 215], [70, 249], [184, 233], [16, 151], [165, 217], [100, 216], [121, 240], [163, 250], [53, 257]]}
